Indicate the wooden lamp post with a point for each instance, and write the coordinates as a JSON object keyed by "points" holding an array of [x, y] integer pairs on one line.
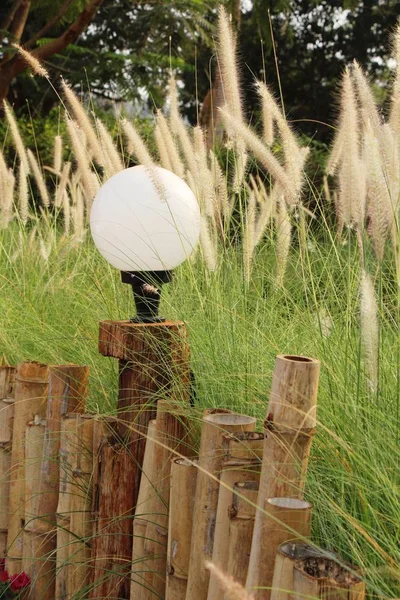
{"points": [[145, 221]]}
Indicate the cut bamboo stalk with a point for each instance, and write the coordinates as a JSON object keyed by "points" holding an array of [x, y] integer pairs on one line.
{"points": [[74, 502], [214, 427], [169, 427], [67, 395], [182, 495], [141, 576], [287, 519], [241, 523], [290, 425], [114, 497], [3, 543], [81, 523], [39, 563], [39, 541], [288, 553], [31, 384], [7, 380], [241, 463], [320, 577], [5, 466]]}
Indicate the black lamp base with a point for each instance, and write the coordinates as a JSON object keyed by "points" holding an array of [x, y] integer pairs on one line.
{"points": [[146, 287]]}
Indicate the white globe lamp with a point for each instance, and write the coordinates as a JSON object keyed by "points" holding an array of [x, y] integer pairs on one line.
{"points": [[145, 222]]}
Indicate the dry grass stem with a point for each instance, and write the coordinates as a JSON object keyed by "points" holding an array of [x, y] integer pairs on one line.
{"points": [[23, 194], [233, 590], [40, 182], [32, 61], [58, 150], [16, 136], [262, 153], [84, 123], [369, 329], [171, 147]]}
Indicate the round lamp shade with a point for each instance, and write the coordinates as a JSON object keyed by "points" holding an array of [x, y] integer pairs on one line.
{"points": [[145, 220]]}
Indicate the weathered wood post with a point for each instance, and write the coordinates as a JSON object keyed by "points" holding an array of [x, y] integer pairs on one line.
{"points": [[153, 364]]}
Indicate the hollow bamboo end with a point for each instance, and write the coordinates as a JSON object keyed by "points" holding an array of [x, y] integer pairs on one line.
{"points": [[298, 550], [33, 371], [226, 419], [294, 358], [289, 503], [242, 486], [322, 568]]}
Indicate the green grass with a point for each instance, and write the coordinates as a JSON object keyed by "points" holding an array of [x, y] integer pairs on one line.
{"points": [[50, 312]]}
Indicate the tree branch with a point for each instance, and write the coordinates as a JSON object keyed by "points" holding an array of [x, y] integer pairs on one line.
{"points": [[49, 25], [17, 64], [19, 21], [10, 16], [71, 34]]}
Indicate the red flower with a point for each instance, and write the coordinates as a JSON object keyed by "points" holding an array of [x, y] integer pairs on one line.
{"points": [[3, 576], [18, 582]]}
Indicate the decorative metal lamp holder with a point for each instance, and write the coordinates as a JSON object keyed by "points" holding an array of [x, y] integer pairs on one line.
{"points": [[146, 287]]}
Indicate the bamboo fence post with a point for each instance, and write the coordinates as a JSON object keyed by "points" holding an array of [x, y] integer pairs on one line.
{"points": [[241, 523], [7, 379], [31, 385], [74, 503], [141, 584], [182, 495], [170, 429], [215, 425], [287, 519], [288, 553], [290, 425], [321, 577], [242, 462], [153, 362]]}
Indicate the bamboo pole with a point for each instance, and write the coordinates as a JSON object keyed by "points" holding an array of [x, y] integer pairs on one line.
{"points": [[287, 519], [7, 379], [5, 465], [170, 430], [214, 426], [31, 384], [141, 584], [74, 502], [3, 544], [319, 577], [287, 554], [39, 538], [290, 425], [242, 462], [182, 495], [67, 395], [241, 523]]}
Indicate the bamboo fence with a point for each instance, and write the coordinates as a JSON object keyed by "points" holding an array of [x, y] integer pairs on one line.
{"points": [[73, 516]]}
